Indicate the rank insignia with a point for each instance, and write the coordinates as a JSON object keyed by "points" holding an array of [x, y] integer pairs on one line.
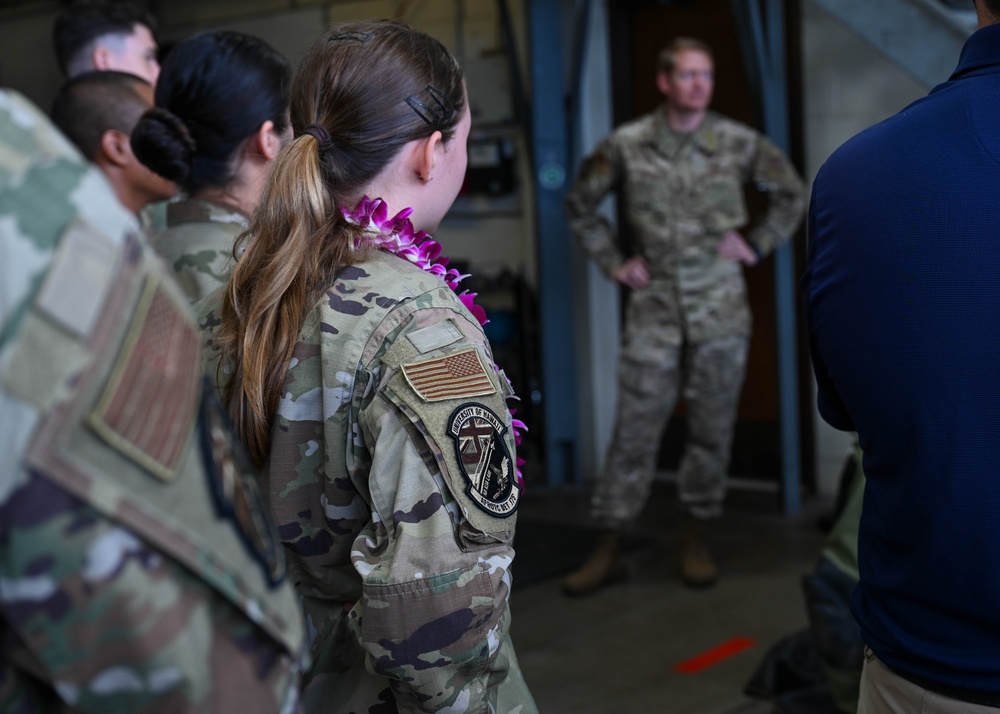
{"points": [[484, 459], [456, 376]]}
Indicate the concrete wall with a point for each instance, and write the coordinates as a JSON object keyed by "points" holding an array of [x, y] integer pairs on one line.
{"points": [[848, 87]]}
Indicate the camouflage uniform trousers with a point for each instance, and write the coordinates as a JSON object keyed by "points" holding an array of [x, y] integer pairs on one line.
{"points": [[651, 372]]}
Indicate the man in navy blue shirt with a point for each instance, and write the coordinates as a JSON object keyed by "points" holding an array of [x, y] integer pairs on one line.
{"points": [[902, 296]]}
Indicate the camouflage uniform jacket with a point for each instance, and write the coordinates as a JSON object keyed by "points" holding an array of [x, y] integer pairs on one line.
{"points": [[680, 194], [198, 242], [137, 567], [153, 217], [391, 477]]}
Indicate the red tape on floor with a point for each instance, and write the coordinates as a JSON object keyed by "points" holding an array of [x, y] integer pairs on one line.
{"points": [[715, 655]]}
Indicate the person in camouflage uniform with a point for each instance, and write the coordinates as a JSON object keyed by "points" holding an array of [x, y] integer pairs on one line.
{"points": [[97, 112], [680, 173], [138, 571], [198, 242], [221, 117], [387, 448]]}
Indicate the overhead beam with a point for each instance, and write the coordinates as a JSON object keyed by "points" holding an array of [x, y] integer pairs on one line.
{"points": [[921, 37]]}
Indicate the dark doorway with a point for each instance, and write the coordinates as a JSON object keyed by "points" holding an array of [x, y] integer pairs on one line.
{"points": [[639, 29]]}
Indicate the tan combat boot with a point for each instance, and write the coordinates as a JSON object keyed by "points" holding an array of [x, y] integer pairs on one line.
{"points": [[603, 566], [698, 570]]}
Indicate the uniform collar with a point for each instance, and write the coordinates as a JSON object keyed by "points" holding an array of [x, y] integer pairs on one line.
{"points": [[190, 210], [980, 53], [669, 142]]}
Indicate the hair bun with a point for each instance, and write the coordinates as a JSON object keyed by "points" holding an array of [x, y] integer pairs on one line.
{"points": [[163, 142]]}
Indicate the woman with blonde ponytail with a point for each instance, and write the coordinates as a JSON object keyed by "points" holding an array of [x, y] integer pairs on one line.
{"points": [[365, 391]]}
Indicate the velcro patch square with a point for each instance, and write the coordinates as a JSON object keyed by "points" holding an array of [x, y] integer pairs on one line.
{"points": [[152, 393], [435, 337], [455, 376]]}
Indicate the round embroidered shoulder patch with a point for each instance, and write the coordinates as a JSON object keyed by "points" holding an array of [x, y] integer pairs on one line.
{"points": [[484, 459]]}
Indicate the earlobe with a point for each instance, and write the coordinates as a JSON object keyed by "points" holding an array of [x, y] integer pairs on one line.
{"points": [[428, 156]]}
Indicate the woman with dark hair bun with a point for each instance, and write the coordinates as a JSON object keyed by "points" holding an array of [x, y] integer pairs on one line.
{"points": [[220, 119], [365, 390]]}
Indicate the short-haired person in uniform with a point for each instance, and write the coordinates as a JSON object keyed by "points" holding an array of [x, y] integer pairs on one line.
{"points": [[220, 119], [138, 569], [679, 172], [901, 295], [364, 387], [97, 112], [101, 36]]}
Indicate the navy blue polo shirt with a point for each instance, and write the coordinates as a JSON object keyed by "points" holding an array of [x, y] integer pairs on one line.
{"points": [[902, 297]]}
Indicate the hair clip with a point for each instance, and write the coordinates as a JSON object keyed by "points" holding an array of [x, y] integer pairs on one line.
{"points": [[355, 36], [434, 117], [423, 111]]}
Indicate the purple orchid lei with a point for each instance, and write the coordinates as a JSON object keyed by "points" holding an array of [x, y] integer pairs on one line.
{"points": [[396, 235]]}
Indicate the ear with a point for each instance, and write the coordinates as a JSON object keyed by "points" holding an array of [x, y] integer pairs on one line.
{"points": [[266, 142], [663, 83], [101, 58], [426, 156], [115, 148]]}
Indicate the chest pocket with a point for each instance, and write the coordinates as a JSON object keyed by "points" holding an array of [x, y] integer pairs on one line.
{"points": [[718, 201]]}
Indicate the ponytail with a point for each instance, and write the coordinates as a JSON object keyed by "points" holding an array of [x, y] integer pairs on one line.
{"points": [[295, 244], [361, 93]]}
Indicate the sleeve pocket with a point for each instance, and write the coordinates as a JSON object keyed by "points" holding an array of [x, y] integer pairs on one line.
{"points": [[436, 622]]}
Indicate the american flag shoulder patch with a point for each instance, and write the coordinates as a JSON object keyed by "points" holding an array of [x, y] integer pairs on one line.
{"points": [[455, 376], [151, 397]]}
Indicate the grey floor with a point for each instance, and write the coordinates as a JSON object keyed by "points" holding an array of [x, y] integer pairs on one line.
{"points": [[615, 652]]}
